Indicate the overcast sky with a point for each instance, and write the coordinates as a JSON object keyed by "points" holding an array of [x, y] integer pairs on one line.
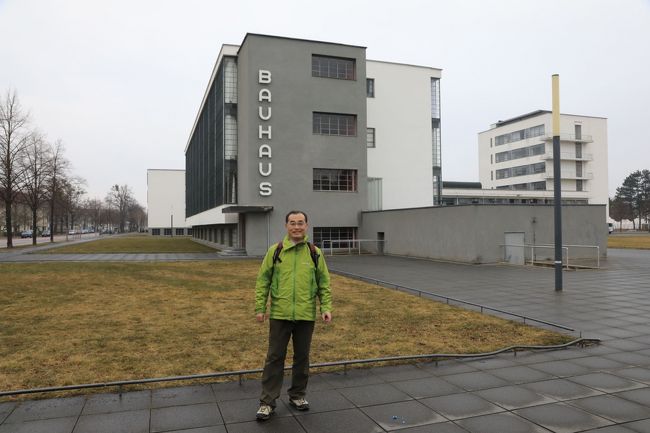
{"points": [[120, 81]]}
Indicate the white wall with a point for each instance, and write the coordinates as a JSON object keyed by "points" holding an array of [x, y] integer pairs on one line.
{"points": [[400, 112], [165, 197]]}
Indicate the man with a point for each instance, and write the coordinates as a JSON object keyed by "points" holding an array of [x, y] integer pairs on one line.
{"points": [[294, 274]]}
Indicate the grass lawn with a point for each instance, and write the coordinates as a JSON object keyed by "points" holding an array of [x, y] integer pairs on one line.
{"points": [[639, 242], [135, 244], [72, 323]]}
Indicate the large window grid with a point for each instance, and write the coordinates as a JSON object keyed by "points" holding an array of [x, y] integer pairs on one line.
{"points": [[332, 67], [523, 152], [328, 179], [323, 236], [521, 170], [530, 186], [334, 124], [534, 131]]}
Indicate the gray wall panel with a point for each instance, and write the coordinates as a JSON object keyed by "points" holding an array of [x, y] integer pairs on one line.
{"points": [[473, 233]]}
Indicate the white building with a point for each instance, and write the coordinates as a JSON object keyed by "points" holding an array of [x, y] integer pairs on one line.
{"points": [[166, 203], [516, 157], [403, 109]]}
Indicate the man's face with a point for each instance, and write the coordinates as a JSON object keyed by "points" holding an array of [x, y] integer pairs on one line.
{"points": [[296, 227]]}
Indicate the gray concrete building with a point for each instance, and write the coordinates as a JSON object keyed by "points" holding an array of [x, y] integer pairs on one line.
{"points": [[283, 125]]}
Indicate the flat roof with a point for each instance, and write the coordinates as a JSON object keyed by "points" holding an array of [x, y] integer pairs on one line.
{"points": [[299, 39]]}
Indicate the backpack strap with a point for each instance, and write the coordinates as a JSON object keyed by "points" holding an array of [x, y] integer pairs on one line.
{"points": [[313, 252], [276, 254]]}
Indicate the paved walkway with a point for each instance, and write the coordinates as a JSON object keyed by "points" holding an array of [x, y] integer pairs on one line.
{"points": [[604, 389]]}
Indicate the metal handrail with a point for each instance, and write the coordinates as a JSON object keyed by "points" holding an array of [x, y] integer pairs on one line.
{"points": [[240, 373], [565, 248], [332, 242], [449, 298]]}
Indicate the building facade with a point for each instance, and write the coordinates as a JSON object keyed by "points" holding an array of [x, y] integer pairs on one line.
{"points": [[516, 158], [166, 203], [290, 123]]}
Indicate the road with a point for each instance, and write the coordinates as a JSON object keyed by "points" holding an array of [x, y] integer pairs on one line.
{"points": [[18, 241]]}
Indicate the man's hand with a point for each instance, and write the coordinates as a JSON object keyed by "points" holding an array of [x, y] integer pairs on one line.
{"points": [[260, 317], [327, 317]]}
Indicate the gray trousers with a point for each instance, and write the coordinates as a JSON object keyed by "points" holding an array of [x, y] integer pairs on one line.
{"points": [[280, 331]]}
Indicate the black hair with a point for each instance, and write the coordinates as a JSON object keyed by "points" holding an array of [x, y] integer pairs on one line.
{"points": [[294, 212]]}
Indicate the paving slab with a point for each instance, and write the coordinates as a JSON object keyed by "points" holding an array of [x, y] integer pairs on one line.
{"points": [[395, 416], [611, 407], [116, 422], [457, 406], [562, 418], [500, 423]]}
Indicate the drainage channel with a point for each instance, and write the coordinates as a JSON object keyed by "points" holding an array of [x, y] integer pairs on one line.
{"points": [[436, 357]]}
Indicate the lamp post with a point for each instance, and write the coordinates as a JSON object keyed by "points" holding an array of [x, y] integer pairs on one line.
{"points": [[557, 183]]}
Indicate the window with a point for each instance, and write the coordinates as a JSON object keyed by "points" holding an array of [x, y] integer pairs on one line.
{"points": [[522, 152], [579, 185], [190, 232], [370, 137], [335, 124], [168, 232], [327, 179], [534, 131], [323, 237], [180, 232], [370, 87], [155, 232], [521, 170], [332, 67]]}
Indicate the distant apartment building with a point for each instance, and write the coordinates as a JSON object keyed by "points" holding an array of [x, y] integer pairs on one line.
{"points": [[516, 160]]}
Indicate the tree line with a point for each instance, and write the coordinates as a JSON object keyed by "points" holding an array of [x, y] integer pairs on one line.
{"points": [[632, 199], [38, 189]]}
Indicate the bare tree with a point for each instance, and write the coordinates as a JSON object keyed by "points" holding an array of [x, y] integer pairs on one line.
{"points": [[137, 217], [35, 163], [121, 198], [13, 140], [58, 169], [94, 209], [71, 192]]}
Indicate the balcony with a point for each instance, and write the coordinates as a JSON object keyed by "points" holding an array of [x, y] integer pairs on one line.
{"points": [[584, 138], [566, 174], [568, 156]]}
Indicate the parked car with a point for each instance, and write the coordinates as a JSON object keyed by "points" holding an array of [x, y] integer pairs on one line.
{"points": [[46, 233], [26, 234], [72, 232]]}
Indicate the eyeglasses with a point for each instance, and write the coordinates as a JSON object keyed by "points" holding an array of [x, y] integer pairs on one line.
{"points": [[297, 223]]}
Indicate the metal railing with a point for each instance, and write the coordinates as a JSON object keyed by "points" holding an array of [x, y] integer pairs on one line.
{"points": [[341, 245], [241, 373], [585, 138], [565, 252], [569, 156]]}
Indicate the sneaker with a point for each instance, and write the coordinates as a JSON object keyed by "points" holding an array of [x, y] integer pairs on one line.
{"points": [[264, 412], [299, 403]]}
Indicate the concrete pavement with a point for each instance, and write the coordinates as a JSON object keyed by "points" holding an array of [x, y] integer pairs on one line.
{"points": [[604, 388]]}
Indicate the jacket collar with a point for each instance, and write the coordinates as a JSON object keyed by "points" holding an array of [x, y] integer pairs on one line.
{"points": [[287, 243]]}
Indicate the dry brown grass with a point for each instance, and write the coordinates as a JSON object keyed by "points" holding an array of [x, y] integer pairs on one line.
{"points": [[72, 323], [639, 242], [134, 244]]}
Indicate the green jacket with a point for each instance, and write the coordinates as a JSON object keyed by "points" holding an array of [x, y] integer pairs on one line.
{"points": [[293, 284]]}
